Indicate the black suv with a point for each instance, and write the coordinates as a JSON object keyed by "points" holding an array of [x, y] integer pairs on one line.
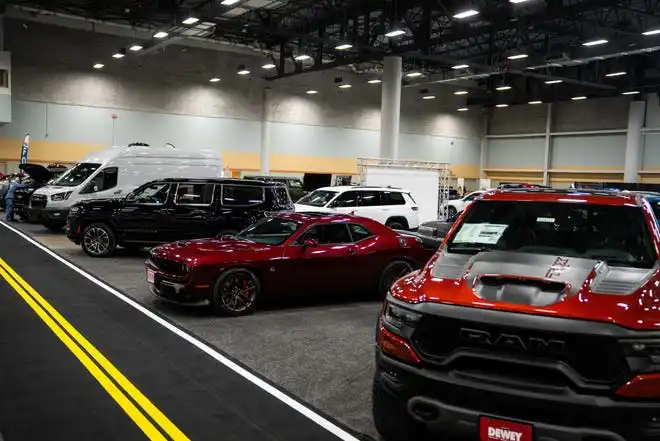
{"points": [[168, 210]]}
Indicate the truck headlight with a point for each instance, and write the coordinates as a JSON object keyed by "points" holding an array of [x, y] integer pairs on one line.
{"points": [[60, 196]]}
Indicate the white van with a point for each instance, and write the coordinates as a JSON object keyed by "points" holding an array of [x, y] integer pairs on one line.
{"points": [[116, 171]]}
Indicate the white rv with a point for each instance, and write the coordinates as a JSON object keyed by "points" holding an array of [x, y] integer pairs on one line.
{"points": [[115, 172]]}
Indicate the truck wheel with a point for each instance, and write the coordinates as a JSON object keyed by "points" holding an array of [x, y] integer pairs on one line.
{"points": [[391, 417], [98, 240], [235, 292], [54, 226], [393, 272]]}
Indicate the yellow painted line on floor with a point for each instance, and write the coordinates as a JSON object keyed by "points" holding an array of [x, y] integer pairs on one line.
{"points": [[60, 326]]}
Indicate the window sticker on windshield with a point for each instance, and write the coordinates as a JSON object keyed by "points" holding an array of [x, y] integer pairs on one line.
{"points": [[550, 220], [480, 233]]}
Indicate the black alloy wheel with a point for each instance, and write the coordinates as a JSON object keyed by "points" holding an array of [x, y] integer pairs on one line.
{"points": [[236, 292], [451, 212], [393, 272], [98, 240]]}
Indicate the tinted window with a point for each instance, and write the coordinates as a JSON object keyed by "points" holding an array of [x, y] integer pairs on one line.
{"points": [[370, 199], [317, 198], [194, 194], [242, 195], [359, 232], [105, 180], [155, 194], [271, 230], [327, 234], [618, 235], [393, 198], [346, 199], [77, 175]]}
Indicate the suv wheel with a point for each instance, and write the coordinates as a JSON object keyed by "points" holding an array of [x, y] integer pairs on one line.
{"points": [[451, 211], [236, 292], [393, 272], [98, 240], [391, 416], [397, 223]]}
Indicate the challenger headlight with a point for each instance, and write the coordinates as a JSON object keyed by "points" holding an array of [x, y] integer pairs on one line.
{"points": [[60, 196]]}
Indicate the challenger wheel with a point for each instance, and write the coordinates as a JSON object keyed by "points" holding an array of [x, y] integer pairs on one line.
{"points": [[98, 240], [236, 292], [393, 272], [391, 416]]}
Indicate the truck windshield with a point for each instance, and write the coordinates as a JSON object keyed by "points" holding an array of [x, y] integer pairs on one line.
{"points": [[76, 175], [317, 198], [616, 234], [270, 231]]}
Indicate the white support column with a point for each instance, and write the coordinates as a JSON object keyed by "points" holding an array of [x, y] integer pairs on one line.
{"points": [[548, 144], [390, 108], [264, 167], [483, 147], [633, 158]]}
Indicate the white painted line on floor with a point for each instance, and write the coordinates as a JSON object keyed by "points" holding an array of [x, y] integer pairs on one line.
{"points": [[268, 388]]}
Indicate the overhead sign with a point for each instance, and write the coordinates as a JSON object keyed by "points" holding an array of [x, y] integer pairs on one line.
{"points": [[24, 149]]}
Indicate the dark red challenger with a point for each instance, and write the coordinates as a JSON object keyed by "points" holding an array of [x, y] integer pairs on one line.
{"points": [[283, 255]]}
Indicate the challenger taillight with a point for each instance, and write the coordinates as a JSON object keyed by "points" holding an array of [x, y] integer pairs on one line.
{"points": [[395, 329], [642, 386]]}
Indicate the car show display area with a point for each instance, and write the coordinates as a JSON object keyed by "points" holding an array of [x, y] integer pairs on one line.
{"points": [[198, 393], [317, 349]]}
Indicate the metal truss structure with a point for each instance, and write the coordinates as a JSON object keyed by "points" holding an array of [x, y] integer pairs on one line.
{"points": [[550, 33]]}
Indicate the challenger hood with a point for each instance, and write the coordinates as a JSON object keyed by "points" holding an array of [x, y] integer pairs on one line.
{"points": [[218, 249], [538, 284]]}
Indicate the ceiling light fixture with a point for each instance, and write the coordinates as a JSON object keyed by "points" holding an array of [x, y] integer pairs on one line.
{"points": [[343, 47], [517, 1], [395, 33], [190, 21], [461, 92], [535, 102], [501, 105], [214, 80], [229, 2], [460, 66], [413, 74], [375, 81], [594, 42], [502, 88], [615, 74], [651, 32], [345, 86], [462, 109], [161, 34], [99, 66], [578, 98], [312, 92], [466, 14], [517, 57], [632, 92], [302, 57], [118, 55], [244, 72], [135, 48], [554, 81], [268, 66], [428, 97]]}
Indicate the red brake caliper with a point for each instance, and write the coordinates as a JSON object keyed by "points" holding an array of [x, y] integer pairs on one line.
{"points": [[246, 289]]}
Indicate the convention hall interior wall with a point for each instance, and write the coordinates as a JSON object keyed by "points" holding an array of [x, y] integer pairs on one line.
{"points": [[587, 141], [69, 108]]}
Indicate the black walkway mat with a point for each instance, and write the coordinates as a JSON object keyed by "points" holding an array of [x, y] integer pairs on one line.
{"points": [[45, 389]]}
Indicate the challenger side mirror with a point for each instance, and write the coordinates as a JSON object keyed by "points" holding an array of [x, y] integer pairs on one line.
{"points": [[310, 243]]}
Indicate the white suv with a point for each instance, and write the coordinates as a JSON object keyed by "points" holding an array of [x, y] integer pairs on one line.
{"points": [[393, 207], [452, 208]]}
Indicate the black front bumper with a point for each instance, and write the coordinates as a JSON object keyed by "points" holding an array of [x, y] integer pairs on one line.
{"points": [[49, 216]]}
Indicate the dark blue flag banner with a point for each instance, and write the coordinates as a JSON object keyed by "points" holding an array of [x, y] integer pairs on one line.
{"points": [[25, 148]]}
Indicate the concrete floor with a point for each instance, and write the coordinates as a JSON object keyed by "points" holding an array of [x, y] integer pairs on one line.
{"points": [[321, 352]]}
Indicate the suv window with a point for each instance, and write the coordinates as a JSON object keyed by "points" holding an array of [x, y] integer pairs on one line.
{"points": [[359, 232], [104, 180], [194, 194], [346, 199], [242, 195], [393, 198], [152, 194], [618, 235], [370, 198]]}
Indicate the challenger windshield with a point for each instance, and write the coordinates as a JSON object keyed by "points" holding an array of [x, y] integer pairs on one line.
{"points": [[317, 198], [76, 175], [269, 231], [618, 235]]}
